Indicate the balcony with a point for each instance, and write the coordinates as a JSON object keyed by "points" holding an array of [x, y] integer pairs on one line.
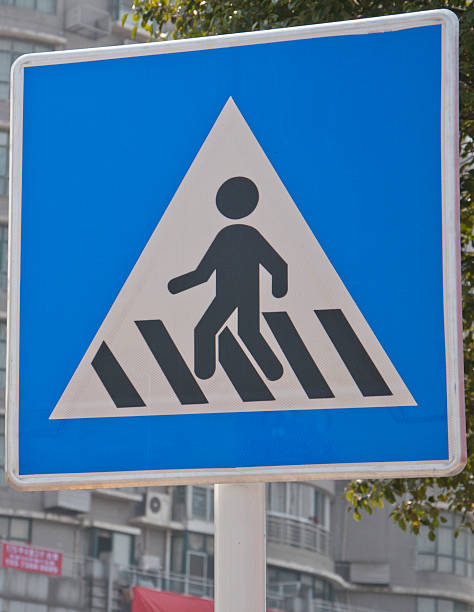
{"points": [[298, 534], [280, 598], [278, 601]]}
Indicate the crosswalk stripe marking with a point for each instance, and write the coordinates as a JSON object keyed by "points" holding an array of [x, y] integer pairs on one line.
{"points": [[299, 358], [353, 354], [240, 371], [171, 362], [114, 379]]}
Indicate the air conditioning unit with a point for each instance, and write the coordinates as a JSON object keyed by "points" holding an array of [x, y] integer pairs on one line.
{"points": [[157, 508]]}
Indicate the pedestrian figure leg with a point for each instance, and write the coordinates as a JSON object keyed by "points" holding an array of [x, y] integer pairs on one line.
{"points": [[205, 337], [249, 331]]}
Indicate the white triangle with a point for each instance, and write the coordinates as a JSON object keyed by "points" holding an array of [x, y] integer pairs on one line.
{"points": [[183, 235]]}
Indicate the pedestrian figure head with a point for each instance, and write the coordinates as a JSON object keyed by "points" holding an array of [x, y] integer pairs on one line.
{"points": [[237, 197]]}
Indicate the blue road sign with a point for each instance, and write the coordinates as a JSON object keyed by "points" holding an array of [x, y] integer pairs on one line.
{"points": [[236, 258]]}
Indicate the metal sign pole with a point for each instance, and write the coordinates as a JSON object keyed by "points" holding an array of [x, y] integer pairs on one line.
{"points": [[240, 553]]}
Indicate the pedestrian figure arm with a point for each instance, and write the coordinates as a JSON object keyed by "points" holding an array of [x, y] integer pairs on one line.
{"points": [[276, 266], [196, 277]]}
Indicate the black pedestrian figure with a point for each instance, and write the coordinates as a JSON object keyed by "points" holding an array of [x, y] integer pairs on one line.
{"points": [[236, 255]]}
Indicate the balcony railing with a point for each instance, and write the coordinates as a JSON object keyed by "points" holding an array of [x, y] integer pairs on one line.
{"points": [[174, 583], [297, 533], [291, 603], [332, 606]]}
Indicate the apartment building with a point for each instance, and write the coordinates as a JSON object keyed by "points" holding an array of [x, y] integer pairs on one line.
{"points": [[318, 558]]}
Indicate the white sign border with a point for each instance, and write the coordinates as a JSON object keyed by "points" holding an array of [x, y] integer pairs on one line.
{"points": [[451, 265]]}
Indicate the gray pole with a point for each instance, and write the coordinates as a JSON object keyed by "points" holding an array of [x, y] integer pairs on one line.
{"points": [[240, 555]]}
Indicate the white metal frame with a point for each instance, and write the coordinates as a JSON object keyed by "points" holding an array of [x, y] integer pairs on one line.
{"points": [[451, 263]]}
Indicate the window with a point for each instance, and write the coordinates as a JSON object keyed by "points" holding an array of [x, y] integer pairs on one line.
{"points": [[321, 510], [276, 497], [430, 604], [446, 553], [10, 49], [2, 450], [322, 589], [3, 257], [178, 505], [187, 552], [16, 529], [202, 503], [299, 500], [289, 582], [122, 549], [177, 553], [193, 503], [282, 581], [119, 545], [3, 162], [3, 352], [45, 6], [192, 556]]}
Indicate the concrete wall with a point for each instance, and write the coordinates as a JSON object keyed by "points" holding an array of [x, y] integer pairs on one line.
{"points": [[40, 590], [49, 534], [378, 544], [298, 558], [112, 510]]}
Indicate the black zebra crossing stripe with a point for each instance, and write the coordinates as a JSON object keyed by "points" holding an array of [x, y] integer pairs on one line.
{"points": [[171, 362], [240, 371], [299, 358], [118, 385], [352, 353]]}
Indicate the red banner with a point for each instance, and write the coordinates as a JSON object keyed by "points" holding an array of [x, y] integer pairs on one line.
{"points": [[149, 600], [31, 559]]}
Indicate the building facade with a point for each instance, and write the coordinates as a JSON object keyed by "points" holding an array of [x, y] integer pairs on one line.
{"points": [[318, 558]]}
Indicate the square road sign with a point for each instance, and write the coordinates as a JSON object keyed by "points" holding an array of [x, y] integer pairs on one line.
{"points": [[236, 258]]}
